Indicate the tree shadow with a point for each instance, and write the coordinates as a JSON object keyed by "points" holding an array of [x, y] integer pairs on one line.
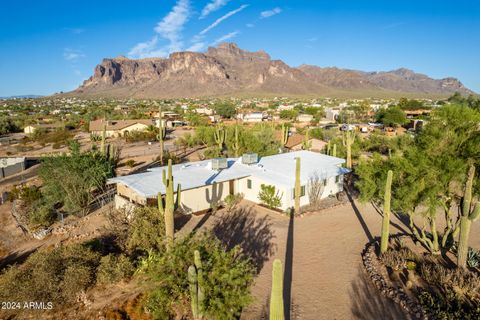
{"points": [[202, 221], [368, 303], [16, 258], [287, 275], [396, 225], [181, 220], [359, 216], [253, 234]]}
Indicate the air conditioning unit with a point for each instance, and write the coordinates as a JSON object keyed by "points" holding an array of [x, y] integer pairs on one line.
{"points": [[249, 158], [219, 163]]}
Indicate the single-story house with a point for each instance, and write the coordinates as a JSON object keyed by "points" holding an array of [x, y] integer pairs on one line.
{"points": [[295, 142], [118, 128], [252, 116], [304, 118], [210, 181], [30, 129]]}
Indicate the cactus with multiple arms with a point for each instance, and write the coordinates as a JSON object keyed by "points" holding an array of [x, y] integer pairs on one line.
{"points": [[298, 187], [220, 135], [276, 296], [386, 213], [348, 139], [168, 209], [469, 213]]}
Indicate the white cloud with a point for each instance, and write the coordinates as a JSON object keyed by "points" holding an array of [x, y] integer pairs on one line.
{"points": [[172, 24], [198, 46], [269, 13], [226, 37], [72, 55], [169, 28], [250, 25], [224, 17], [212, 6]]}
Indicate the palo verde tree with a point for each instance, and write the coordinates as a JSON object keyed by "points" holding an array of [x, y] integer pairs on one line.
{"points": [[430, 174]]}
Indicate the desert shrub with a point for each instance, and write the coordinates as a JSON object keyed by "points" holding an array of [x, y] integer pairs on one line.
{"points": [[55, 275], [227, 279], [473, 258], [114, 268], [397, 259], [232, 200], [448, 306], [28, 194], [130, 163], [42, 215], [269, 196], [146, 231], [463, 283]]}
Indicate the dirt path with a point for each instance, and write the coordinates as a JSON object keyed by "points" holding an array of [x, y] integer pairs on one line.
{"points": [[323, 270]]}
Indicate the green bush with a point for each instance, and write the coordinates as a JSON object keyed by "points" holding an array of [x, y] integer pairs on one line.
{"points": [[114, 268], [53, 275], [42, 215], [232, 200], [448, 306], [130, 163], [269, 196], [227, 275], [146, 231]]}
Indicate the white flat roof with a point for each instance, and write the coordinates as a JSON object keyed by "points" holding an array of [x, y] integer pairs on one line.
{"points": [[278, 170]]}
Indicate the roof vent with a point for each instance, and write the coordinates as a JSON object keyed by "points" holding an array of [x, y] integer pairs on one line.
{"points": [[249, 158], [219, 163]]}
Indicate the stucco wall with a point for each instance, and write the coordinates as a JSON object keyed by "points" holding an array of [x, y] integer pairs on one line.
{"points": [[200, 199]]}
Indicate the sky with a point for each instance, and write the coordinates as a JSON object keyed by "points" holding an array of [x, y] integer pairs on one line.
{"points": [[50, 46]]}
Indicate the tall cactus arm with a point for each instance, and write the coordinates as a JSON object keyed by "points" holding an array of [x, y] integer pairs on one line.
{"points": [[386, 213], [160, 203], [193, 285], [276, 295]]}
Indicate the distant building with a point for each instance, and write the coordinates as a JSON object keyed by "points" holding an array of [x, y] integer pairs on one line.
{"points": [[205, 111], [304, 118], [119, 128], [30, 129], [252, 116]]}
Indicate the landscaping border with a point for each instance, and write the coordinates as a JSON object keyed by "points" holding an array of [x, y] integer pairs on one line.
{"points": [[395, 294]]}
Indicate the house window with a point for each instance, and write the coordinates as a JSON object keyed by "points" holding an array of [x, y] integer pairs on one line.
{"points": [[249, 184], [302, 192]]}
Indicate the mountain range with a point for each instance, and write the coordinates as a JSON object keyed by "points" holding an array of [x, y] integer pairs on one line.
{"points": [[229, 70]]}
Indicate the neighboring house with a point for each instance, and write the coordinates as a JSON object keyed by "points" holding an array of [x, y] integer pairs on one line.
{"points": [[119, 128], [252, 116], [205, 111], [202, 185], [30, 129], [295, 142], [304, 118], [11, 166], [332, 114]]}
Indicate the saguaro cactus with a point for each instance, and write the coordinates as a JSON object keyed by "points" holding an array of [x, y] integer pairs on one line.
{"points": [[220, 135], [297, 186], [348, 139], [469, 213], [276, 295], [329, 148], [236, 143], [386, 213], [334, 151], [307, 144], [195, 280], [168, 209], [284, 134], [193, 284], [104, 137], [161, 133]]}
